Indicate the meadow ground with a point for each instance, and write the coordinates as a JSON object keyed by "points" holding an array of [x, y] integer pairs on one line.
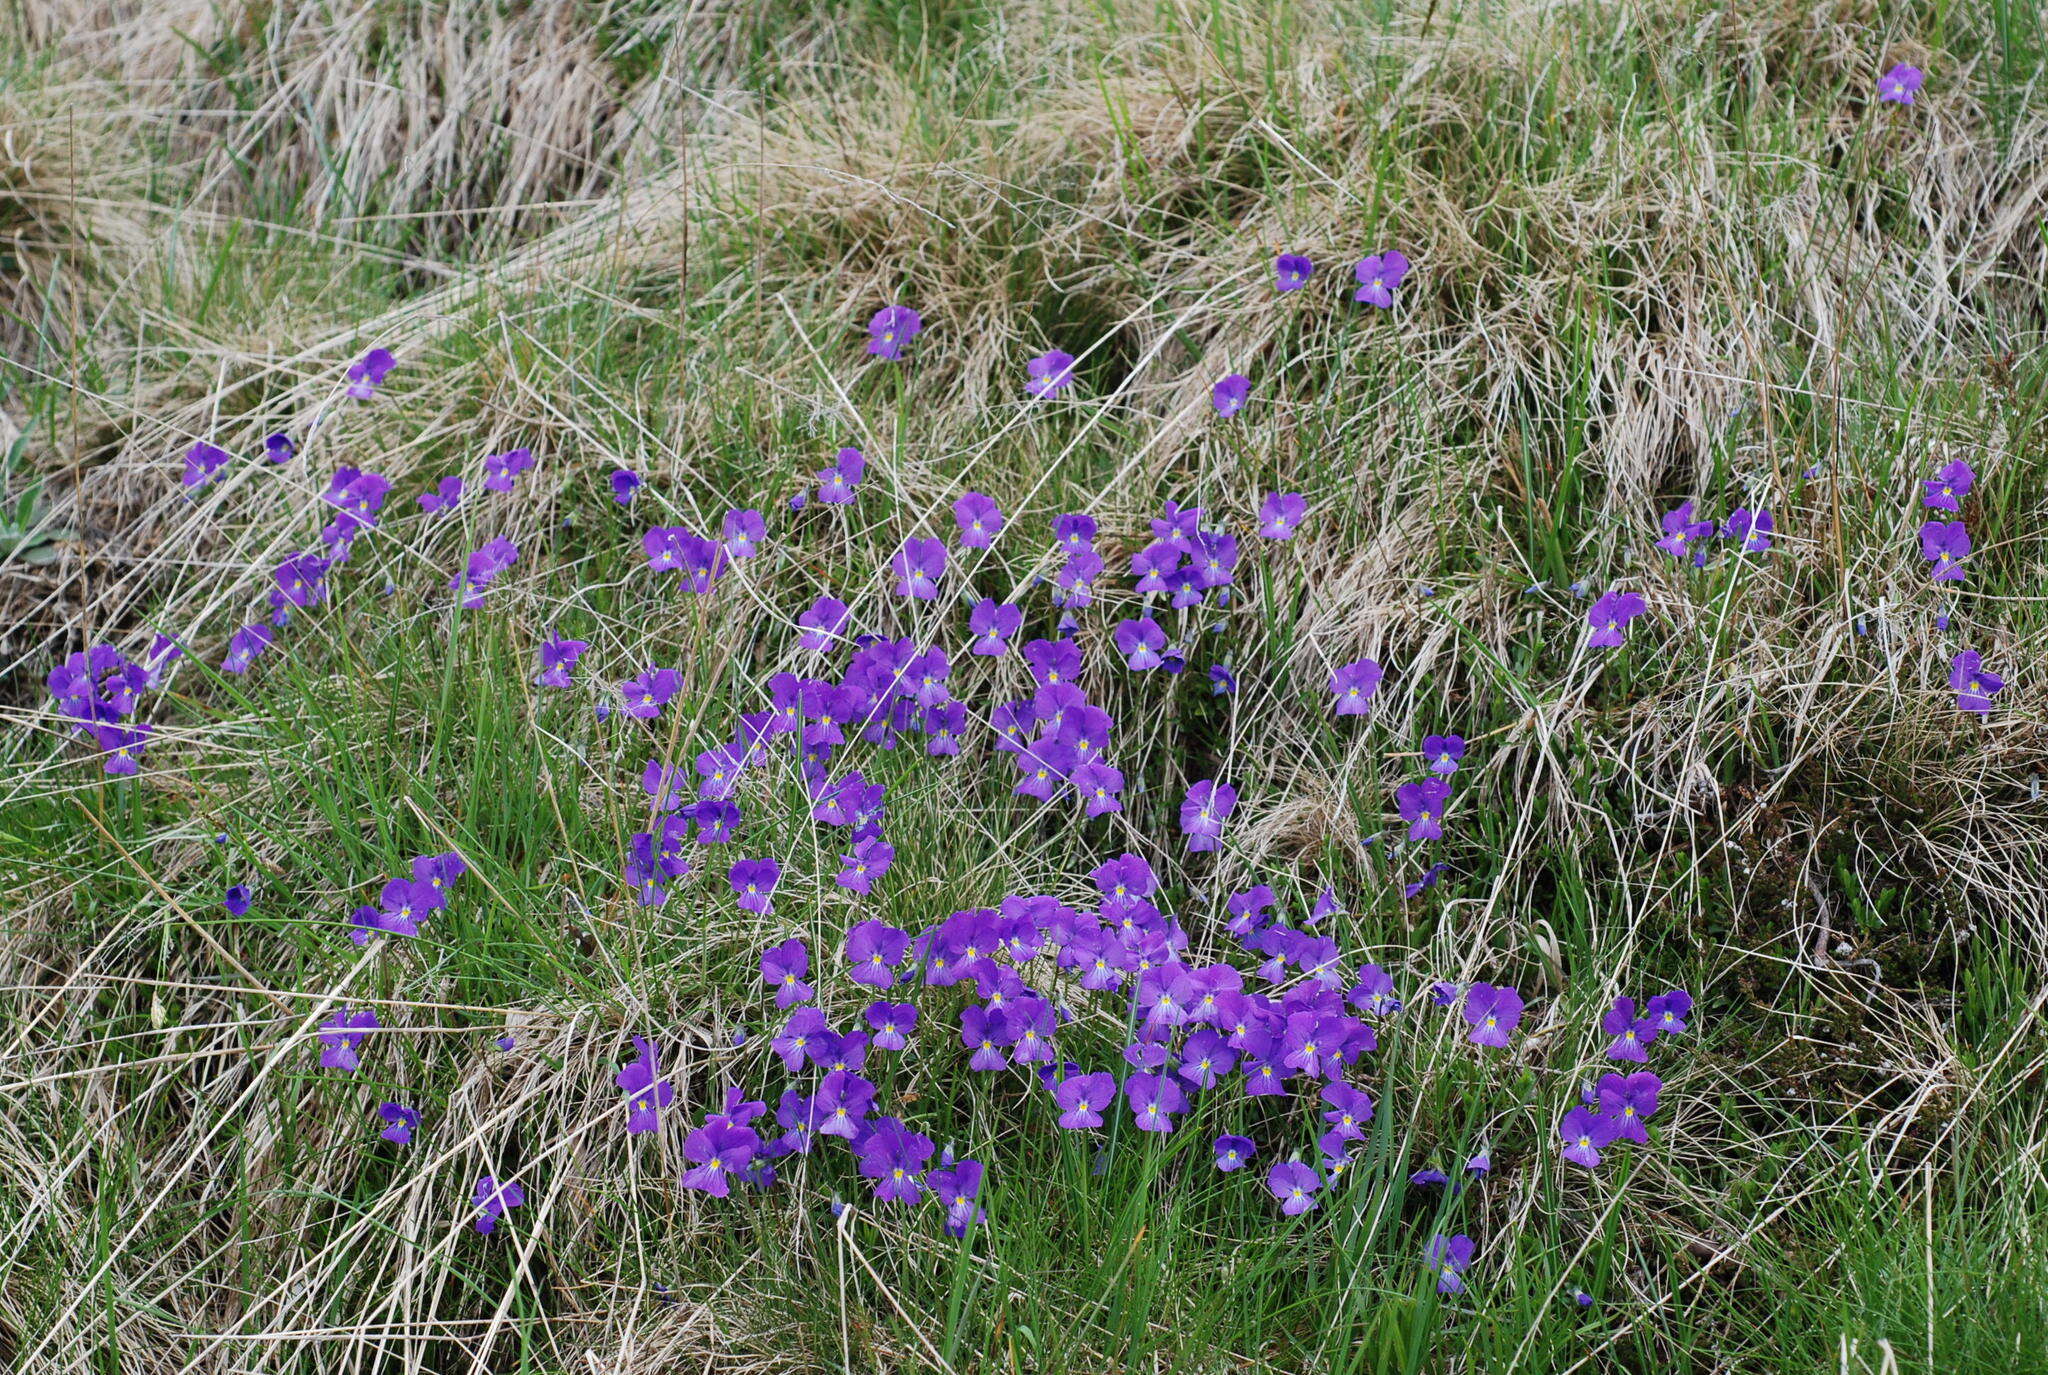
{"points": [[1661, 252]]}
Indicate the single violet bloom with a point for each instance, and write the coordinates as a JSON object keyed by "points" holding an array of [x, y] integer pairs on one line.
{"points": [[1493, 1013], [1228, 395], [1291, 272], [237, 900], [402, 1123], [1233, 1152], [1449, 1257], [501, 469], [1280, 515], [202, 461], [1610, 615], [367, 373], [493, 1200], [1295, 1185], [1050, 373], [783, 968], [890, 328], [1974, 684], [1947, 488], [558, 660], [1378, 275], [341, 1034], [1442, 752], [1900, 84], [979, 518], [1945, 544], [624, 482], [1354, 684]]}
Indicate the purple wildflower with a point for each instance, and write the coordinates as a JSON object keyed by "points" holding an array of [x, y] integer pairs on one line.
{"points": [[1900, 84], [1082, 1099], [237, 900], [501, 469], [1751, 529], [892, 1155], [993, 623], [1422, 807], [1450, 1257], [1632, 1035], [1291, 272], [1974, 684], [341, 1034], [647, 1093], [1668, 1011], [492, 1199], [1223, 683], [823, 623], [1050, 373], [558, 660], [279, 448], [1681, 531], [202, 461], [646, 695], [1945, 544], [1442, 752], [875, 950], [893, 1024], [1228, 396], [625, 482], [890, 329], [1354, 684], [366, 374], [1493, 1013], [1203, 811], [784, 966], [979, 518], [742, 533], [404, 1121], [1610, 615], [1629, 1101], [1154, 1098], [1586, 1133], [1378, 275], [836, 483], [1280, 515], [1947, 488], [719, 1150], [1233, 1152], [444, 498], [1295, 1185], [1141, 642], [918, 566]]}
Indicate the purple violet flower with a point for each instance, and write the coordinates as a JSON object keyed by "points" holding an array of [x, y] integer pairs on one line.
{"points": [[1354, 684], [1945, 544], [1610, 615], [647, 1093], [1050, 373], [341, 1034], [1947, 488], [1378, 276], [890, 329], [1281, 515], [404, 1121], [1233, 1152], [492, 1199], [1295, 1185], [1493, 1013], [367, 373], [1228, 395], [1974, 684], [979, 518], [1450, 1257], [1900, 84]]}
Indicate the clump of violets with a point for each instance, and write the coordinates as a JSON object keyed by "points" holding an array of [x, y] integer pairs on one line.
{"points": [[1050, 373], [1291, 272], [1974, 684], [890, 328], [1378, 275], [1900, 83], [1609, 618]]}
